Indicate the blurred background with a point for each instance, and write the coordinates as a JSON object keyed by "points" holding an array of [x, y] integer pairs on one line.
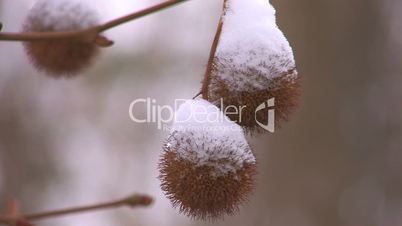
{"points": [[337, 163]]}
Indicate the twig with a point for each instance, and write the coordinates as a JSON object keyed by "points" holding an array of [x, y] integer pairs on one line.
{"points": [[207, 75], [197, 95], [90, 34], [139, 14], [131, 201]]}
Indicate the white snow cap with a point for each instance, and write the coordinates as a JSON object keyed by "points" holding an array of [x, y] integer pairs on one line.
{"points": [[202, 134], [252, 50], [62, 15]]}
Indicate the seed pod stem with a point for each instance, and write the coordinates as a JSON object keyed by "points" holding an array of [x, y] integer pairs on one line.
{"points": [[207, 76]]}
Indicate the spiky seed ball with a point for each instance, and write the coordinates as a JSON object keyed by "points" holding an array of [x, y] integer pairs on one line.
{"points": [[284, 89], [207, 168], [253, 63], [60, 58]]}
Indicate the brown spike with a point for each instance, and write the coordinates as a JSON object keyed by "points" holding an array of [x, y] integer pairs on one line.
{"points": [[285, 90], [60, 57], [198, 192]]}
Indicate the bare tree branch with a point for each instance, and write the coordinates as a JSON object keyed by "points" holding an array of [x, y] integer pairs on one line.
{"points": [[90, 34], [131, 201]]}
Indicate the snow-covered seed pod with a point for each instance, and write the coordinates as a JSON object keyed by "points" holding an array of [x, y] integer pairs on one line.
{"points": [[253, 63], [207, 168], [61, 57]]}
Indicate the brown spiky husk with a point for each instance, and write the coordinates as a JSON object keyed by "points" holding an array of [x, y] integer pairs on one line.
{"points": [[61, 58], [58, 58], [285, 89], [198, 193]]}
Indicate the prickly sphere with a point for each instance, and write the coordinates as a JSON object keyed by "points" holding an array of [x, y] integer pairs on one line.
{"points": [[61, 57]]}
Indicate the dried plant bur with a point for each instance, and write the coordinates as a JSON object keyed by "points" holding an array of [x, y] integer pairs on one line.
{"points": [[253, 63], [207, 169], [61, 57]]}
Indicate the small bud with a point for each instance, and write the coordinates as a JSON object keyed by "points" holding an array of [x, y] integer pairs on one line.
{"points": [[253, 63], [62, 57], [207, 168]]}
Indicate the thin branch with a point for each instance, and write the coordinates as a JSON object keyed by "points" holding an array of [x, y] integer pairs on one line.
{"points": [[207, 75], [90, 34], [197, 95], [137, 15], [131, 201]]}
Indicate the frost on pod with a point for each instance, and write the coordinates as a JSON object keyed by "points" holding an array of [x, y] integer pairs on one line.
{"points": [[207, 167], [60, 58], [252, 64]]}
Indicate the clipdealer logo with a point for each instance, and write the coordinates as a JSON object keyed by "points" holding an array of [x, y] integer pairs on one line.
{"points": [[163, 115]]}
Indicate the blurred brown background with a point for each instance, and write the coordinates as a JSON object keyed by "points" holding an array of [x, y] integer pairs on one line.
{"points": [[337, 163]]}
